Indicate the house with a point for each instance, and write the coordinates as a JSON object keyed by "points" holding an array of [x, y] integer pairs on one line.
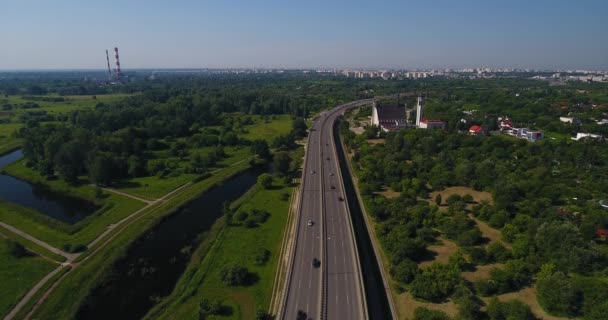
{"points": [[505, 124], [476, 130], [590, 136], [424, 123], [570, 120], [604, 204], [534, 136], [431, 124], [388, 117], [602, 233]]}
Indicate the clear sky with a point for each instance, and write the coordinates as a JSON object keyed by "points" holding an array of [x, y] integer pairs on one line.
{"points": [[61, 34]]}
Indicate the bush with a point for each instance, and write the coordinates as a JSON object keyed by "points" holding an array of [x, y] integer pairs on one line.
{"points": [[259, 216], [436, 282], [405, 271], [265, 180], [260, 256], [240, 216], [16, 249], [208, 308], [234, 275], [497, 252], [469, 238], [425, 314], [557, 294], [513, 309], [478, 255]]}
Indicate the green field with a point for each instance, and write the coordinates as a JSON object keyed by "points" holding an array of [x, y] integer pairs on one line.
{"points": [[234, 244], [73, 290], [267, 130], [7, 141], [18, 276]]}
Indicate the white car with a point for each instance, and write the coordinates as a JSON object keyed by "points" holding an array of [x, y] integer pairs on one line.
{"points": [[310, 223], [331, 174], [312, 172]]}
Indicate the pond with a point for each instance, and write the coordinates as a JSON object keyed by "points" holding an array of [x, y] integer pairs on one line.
{"points": [[155, 261], [37, 197]]}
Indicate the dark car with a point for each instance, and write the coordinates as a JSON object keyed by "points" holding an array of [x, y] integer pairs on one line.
{"points": [[332, 187], [301, 315], [340, 198], [316, 263]]}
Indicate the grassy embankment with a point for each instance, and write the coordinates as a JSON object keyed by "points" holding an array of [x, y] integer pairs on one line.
{"points": [[67, 297], [18, 275], [113, 208], [11, 120], [234, 244]]}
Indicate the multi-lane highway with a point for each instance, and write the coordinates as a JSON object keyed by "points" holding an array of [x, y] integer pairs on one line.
{"points": [[333, 288]]}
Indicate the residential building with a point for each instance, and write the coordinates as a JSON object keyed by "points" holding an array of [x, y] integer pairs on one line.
{"points": [[476, 130]]}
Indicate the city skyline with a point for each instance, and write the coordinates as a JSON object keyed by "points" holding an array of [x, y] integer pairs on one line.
{"points": [[233, 34]]}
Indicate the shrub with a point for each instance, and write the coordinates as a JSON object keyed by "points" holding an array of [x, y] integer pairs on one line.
{"points": [[513, 309], [16, 249], [425, 314], [497, 252], [240, 216], [209, 307], [234, 275], [405, 271], [435, 283], [265, 180], [260, 256]]}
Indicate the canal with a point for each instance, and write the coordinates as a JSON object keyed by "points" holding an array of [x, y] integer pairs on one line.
{"points": [[39, 198], [156, 260]]}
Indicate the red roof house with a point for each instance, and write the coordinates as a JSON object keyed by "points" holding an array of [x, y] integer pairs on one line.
{"points": [[602, 233], [476, 130]]}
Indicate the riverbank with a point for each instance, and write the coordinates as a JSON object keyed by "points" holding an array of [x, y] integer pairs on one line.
{"points": [[234, 244], [67, 297]]}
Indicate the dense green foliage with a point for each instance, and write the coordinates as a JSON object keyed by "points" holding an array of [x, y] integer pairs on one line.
{"points": [[545, 204]]}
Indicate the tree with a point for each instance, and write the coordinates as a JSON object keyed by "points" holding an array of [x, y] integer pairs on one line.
{"points": [[557, 294], [513, 309], [209, 307], [234, 275], [265, 180], [260, 256], [299, 128], [16, 249], [425, 314], [136, 166], [405, 271], [438, 199], [435, 283], [260, 148], [281, 163]]}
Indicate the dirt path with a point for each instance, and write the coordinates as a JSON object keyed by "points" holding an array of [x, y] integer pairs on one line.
{"points": [[128, 195], [69, 256]]}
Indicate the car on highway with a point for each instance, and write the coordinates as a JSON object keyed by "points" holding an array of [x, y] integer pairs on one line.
{"points": [[332, 187], [312, 172], [340, 198], [316, 263], [310, 223], [331, 174], [301, 315], [327, 158]]}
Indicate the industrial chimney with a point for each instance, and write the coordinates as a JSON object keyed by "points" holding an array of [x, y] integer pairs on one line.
{"points": [[117, 62], [109, 70]]}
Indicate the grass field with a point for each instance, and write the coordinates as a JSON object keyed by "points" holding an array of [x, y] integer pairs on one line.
{"points": [[18, 275], [268, 130], [67, 297], [235, 244], [7, 141]]}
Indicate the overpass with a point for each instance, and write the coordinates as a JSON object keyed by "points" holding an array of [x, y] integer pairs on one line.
{"points": [[324, 279]]}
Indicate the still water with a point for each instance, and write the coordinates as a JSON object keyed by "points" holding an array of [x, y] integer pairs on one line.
{"points": [[66, 209], [155, 261]]}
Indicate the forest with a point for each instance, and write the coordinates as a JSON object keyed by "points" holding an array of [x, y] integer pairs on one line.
{"points": [[545, 204]]}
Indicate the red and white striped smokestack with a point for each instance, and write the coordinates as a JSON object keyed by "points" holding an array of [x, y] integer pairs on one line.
{"points": [[108, 60], [117, 61]]}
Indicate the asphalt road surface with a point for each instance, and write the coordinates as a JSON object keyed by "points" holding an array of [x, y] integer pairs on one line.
{"points": [[333, 289]]}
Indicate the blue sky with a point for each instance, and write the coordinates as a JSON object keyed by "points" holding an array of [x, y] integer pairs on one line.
{"points": [[293, 34]]}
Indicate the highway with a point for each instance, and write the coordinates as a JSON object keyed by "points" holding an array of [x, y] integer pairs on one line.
{"points": [[334, 288]]}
